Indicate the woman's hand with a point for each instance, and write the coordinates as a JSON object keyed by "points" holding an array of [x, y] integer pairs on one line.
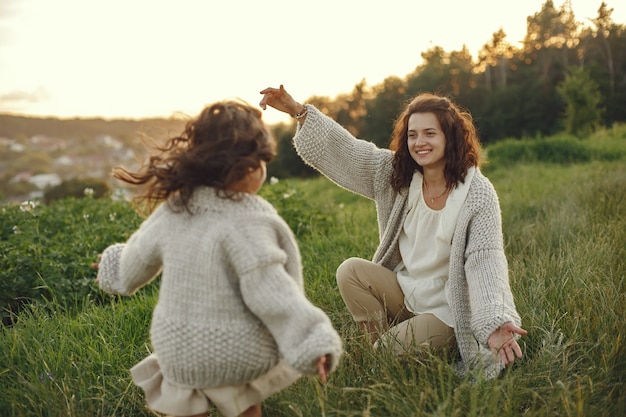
{"points": [[503, 342], [323, 367], [280, 99]]}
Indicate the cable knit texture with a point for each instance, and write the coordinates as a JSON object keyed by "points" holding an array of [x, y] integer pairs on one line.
{"points": [[480, 294], [231, 300]]}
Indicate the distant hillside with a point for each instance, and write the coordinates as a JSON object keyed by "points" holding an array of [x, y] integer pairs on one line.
{"points": [[22, 127]]}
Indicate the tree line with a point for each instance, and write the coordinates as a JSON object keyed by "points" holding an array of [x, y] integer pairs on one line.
{"points": [[567, 76]]}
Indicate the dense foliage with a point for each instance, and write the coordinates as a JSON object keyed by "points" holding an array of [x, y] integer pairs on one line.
{"points": [[557, 149], [47, 250]]}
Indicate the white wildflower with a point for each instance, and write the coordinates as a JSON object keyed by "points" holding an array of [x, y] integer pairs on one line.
{"points": [[28, 206], [273, 180], [88, 192]]}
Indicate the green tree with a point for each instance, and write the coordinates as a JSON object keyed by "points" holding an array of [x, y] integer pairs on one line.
{"points": [[551, 34], [350, 108], [582, 98], [432, 74], [382, 110], [287, 163], [602, 53], [604, 30], [493, 60], [460, 68]]}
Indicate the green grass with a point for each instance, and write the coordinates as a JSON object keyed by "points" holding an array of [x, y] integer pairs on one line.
{"points": [[565, 237]]}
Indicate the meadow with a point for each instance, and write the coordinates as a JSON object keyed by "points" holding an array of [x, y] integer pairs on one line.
{"points": [[68, 351]]}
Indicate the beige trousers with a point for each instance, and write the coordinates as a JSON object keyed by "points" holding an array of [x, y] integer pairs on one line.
{"points": [[374, 298]]}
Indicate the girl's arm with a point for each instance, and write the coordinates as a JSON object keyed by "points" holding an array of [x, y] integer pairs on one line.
{"points": [[303, 332], [126, 267]]}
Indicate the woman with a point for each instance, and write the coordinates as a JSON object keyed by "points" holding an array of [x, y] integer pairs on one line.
{"points": [[439, 277]]}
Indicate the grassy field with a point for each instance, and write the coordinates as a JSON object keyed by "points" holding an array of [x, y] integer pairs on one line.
{"points": [[565, 235]]}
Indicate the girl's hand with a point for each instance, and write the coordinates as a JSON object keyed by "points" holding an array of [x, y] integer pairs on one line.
{"points": [[503, 342], [280, 99], [323, 367], [96, 265]]}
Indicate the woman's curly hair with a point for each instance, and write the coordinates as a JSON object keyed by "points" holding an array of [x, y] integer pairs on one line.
{"points": [[218, 148], [462, 151]]}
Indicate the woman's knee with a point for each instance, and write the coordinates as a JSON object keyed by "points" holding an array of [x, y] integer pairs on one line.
{"points": [[423, 331], [346, 272]]}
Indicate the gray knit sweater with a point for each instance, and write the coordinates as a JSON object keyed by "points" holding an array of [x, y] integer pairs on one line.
{"points": [[480, 294], [231, 300]]}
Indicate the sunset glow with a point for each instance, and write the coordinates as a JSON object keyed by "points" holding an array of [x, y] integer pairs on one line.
{"points": [[136, 59]]}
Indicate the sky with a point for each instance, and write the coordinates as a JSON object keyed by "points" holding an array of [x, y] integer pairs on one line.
{"points": [[152, 58]]}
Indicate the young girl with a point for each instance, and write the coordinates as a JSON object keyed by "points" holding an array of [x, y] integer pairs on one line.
{"points": [[232, 325]]}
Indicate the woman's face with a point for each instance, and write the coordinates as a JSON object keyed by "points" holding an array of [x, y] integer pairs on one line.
{"points": [[426, 140]]}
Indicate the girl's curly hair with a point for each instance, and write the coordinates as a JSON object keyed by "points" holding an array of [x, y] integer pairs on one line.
{"points": [[218, 148]]}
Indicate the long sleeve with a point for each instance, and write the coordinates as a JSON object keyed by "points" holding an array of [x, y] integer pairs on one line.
{"points": [[126, 267], [302, 331], [479, 292], [360, 167], [486, 269], [267, 262], [354, 164]]}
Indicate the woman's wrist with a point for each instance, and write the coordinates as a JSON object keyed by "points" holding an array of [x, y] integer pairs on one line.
{"points": [[299, 114]]}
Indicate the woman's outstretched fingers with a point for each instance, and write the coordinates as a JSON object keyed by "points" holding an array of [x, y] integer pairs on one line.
{"points": [[269, 95], [503, 342], [279, 99]]}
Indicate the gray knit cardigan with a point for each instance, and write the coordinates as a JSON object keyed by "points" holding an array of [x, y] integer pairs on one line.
{"points": [[480, 294], [231, 300]]}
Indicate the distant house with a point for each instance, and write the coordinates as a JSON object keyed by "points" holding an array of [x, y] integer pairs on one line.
{"points": [[64, 160], [11, 145], [43, 181], [47, 144], [110, 142], [22, 176]]}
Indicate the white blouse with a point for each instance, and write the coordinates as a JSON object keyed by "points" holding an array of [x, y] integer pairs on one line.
{"points": [[425, 243]]}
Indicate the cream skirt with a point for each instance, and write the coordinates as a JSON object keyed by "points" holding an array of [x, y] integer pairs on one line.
{"points": [[231, 400]]}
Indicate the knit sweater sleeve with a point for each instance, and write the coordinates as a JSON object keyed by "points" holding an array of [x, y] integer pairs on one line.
{"points": [[269, 270], [126, 267], [303, 332], [354, 164], [486, 269]]}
